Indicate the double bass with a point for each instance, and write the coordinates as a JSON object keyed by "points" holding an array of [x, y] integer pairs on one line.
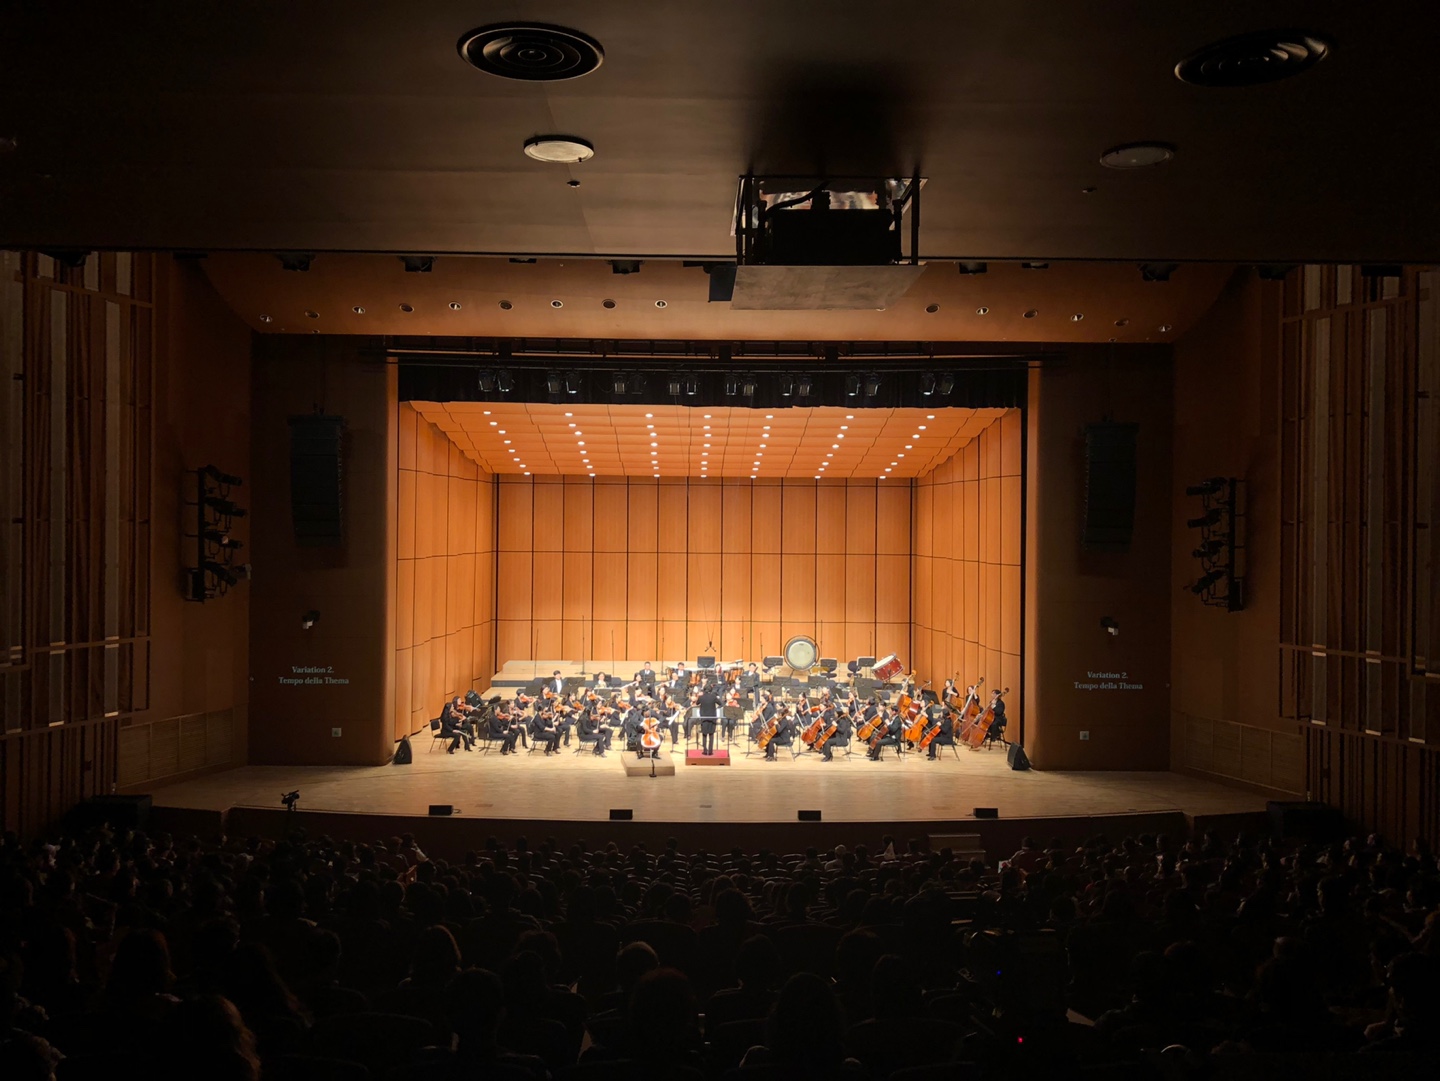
{"points": [[913, 712], [974, 736], [968, 712]]}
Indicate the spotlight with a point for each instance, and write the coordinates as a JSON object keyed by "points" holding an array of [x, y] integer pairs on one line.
{"points": [[418, 264], [487, 382], [692, 386], [732, 386], [504, 382], [309, 619], [619, 384], [872, 385], [1110, 627], [1206, 581], [222, 539], [1209, 550], [1212, 486], [747, 386], [224, 507], [220, 571], [972, 268], [787, 387], [1157, 272], [295, 260], [1209, 518], [572, 384], [852, 385], [927, 384], [674, 386], [945, 384], [553, 383], [804, 386], [220, 477], [624, 266]]}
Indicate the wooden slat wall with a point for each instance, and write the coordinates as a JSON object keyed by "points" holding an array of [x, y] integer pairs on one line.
{"points": [[445, 565], [1360, 375], [646, 569], [968, 527]]}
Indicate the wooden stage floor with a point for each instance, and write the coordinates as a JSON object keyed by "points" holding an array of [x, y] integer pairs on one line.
{"points": [[580, 788]]}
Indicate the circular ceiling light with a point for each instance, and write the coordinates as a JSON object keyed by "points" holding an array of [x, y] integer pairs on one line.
{"points": [[1265, 56], [531, 52], [559, 149], [1137, 155]]}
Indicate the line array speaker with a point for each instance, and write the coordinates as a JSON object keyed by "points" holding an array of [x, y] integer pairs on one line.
{"points": [[316, 476], [808, 816], [621, 814], [1109, 486]]}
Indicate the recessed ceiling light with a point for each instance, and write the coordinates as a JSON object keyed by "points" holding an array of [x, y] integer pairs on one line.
{"points": [[659, 304], [932, 308], [607, 304], [454, 305], [358, 309], [982, 310], [559, 149], [312, 315], [921, 427], [839, 435], [887, 469], [1031, 314], [769, 416], [707, 417], [899, 455], [929, 416], [557, 304], [1265, 56], [1077, 317], [1165, 328], [849, 416], [265, 319], [505, 305], [570, 415], [493, 423], [1137, 155], [506, 441], [580, 444], [487, 412], [649, 415], [502, 431], [1122, 322]]}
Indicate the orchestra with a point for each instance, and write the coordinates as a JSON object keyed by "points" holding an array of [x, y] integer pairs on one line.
{"points": [[733, 702]]}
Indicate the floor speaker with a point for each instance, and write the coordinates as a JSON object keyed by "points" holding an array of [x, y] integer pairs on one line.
{"points": [[808, 816], [404, 754], [442, 809], [987, 812], [621, 814], [1016, 757]]}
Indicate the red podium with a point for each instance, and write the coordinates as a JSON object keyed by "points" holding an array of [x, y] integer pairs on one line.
{"points": [[699, 758]]}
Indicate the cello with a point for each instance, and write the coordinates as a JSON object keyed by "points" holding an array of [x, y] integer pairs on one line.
{"points": [[867, 729], [974, 736]]}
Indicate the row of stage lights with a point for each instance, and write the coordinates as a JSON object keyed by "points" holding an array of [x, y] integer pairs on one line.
{"points": [[216, 566], [1221, 549]]}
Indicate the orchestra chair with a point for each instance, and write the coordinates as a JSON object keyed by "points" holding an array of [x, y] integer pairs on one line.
{"points": [[994, 736], [437, 740]]}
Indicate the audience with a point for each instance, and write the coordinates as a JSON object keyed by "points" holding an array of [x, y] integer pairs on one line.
{"points": [[124, 954]]}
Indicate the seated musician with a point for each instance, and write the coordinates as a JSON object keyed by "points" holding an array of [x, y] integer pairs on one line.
{"points": [[592, 731], [603, 682], [679, 678], [784, 735], [894, 726], [504, 728], [946, 735], [631, 726], [565, 714], [452, 727], [750, 681], [543, 729], [763, 713], [844, 728], [997, 722], [646, 678]]}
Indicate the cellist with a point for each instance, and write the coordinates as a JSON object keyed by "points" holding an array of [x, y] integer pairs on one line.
{"points": [[945, 737]]}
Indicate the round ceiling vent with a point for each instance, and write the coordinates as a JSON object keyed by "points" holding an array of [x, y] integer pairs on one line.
{"points": [[1266, 56], [531, 52]]}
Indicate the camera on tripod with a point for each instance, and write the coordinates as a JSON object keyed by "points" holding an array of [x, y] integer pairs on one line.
{"points": [[289, 799]]}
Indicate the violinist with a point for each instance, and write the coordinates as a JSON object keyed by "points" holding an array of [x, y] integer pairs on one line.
{"points": [[602, 682], [565, 714], [554, 686], [592, 731], [844, 728], [453, 728], [504, 728], [545, 729]]}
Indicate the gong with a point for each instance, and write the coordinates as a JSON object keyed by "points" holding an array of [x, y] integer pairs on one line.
{"points": [[801, 653]]}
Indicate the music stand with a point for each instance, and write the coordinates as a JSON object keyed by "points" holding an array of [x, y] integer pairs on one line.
{"points": [[704, 663]]}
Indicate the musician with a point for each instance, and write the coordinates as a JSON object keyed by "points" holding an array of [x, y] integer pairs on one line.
{"points": [[948, 722], [765, 709], [452, 727], [592, 731], [646, 678], [997, 722], [949, 691], [679, 678], [750, 680], [565, 713], [504, 728], [894, 726], [603, 682], [709, 706], [784, 735], [844, 729], [544, 729], [465, 714], [555, 685]]}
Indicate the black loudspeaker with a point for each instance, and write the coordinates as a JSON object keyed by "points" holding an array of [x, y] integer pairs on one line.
{"points": [[987, 812], [621, 814], [1016, 757], [808, 816], [442, 809], [404, 754], [722, 283], [1300, 820], [120, 812], [315, 480], [1109, 486]]}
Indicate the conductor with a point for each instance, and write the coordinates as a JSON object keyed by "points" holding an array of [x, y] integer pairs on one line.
{"points": [[709, 709]]}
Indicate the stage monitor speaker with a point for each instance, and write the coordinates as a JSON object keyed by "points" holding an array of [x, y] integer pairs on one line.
{"points": [[316, 472], [1016, 757], [808, 816], [440, 810], [404, 753], [1302, 820], [1109, 486], [987, 812], [722, 283], [621, 814], [120, 812]]}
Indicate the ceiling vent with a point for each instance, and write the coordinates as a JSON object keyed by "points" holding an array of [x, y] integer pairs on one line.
{"points": [[531, 52], [1266, 56]]}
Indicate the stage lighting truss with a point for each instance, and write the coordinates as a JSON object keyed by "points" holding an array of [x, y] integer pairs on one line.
{"points": [[1221, 548], [215, 547]]}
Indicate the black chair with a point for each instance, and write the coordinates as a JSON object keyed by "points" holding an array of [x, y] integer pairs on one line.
{"points": [[436, 738]]}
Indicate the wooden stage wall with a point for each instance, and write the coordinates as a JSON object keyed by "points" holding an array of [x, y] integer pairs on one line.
{"points": [[658, 569], [967, 548]]}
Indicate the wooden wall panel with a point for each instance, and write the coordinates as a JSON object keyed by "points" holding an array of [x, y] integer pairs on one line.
{"points": [[765, 519], [549, 579], [580, 523], [549, 515], [892, 520], [735, 586], [860, 587], [516, 516], [578, 597], [704, 517], [832, 522], [860, 518], [644, 516], [735, 518]]}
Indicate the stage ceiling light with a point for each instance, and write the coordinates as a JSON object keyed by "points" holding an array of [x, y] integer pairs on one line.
{"points": [[1157, 272], [732, 386], [560, 150], [972, 267], [295, 260], [487, 382], [624, 266], [619, 383], [927, 384], [418, 264], [747, 387], [787, 387], [804, 386], [872, 385], [945, 384], [1206, 581], [852, 385], [553, 383], [674, 386], [504, 382]]}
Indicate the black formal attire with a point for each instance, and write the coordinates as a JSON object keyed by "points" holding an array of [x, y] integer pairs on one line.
{"points": [[784, 737], [452, 727], [709, 704], [844, 729], [630, 727], [555, 684], [997, 722], [946, 738], [646, 678], [893, 728], [591, 731], [505, 730]]}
